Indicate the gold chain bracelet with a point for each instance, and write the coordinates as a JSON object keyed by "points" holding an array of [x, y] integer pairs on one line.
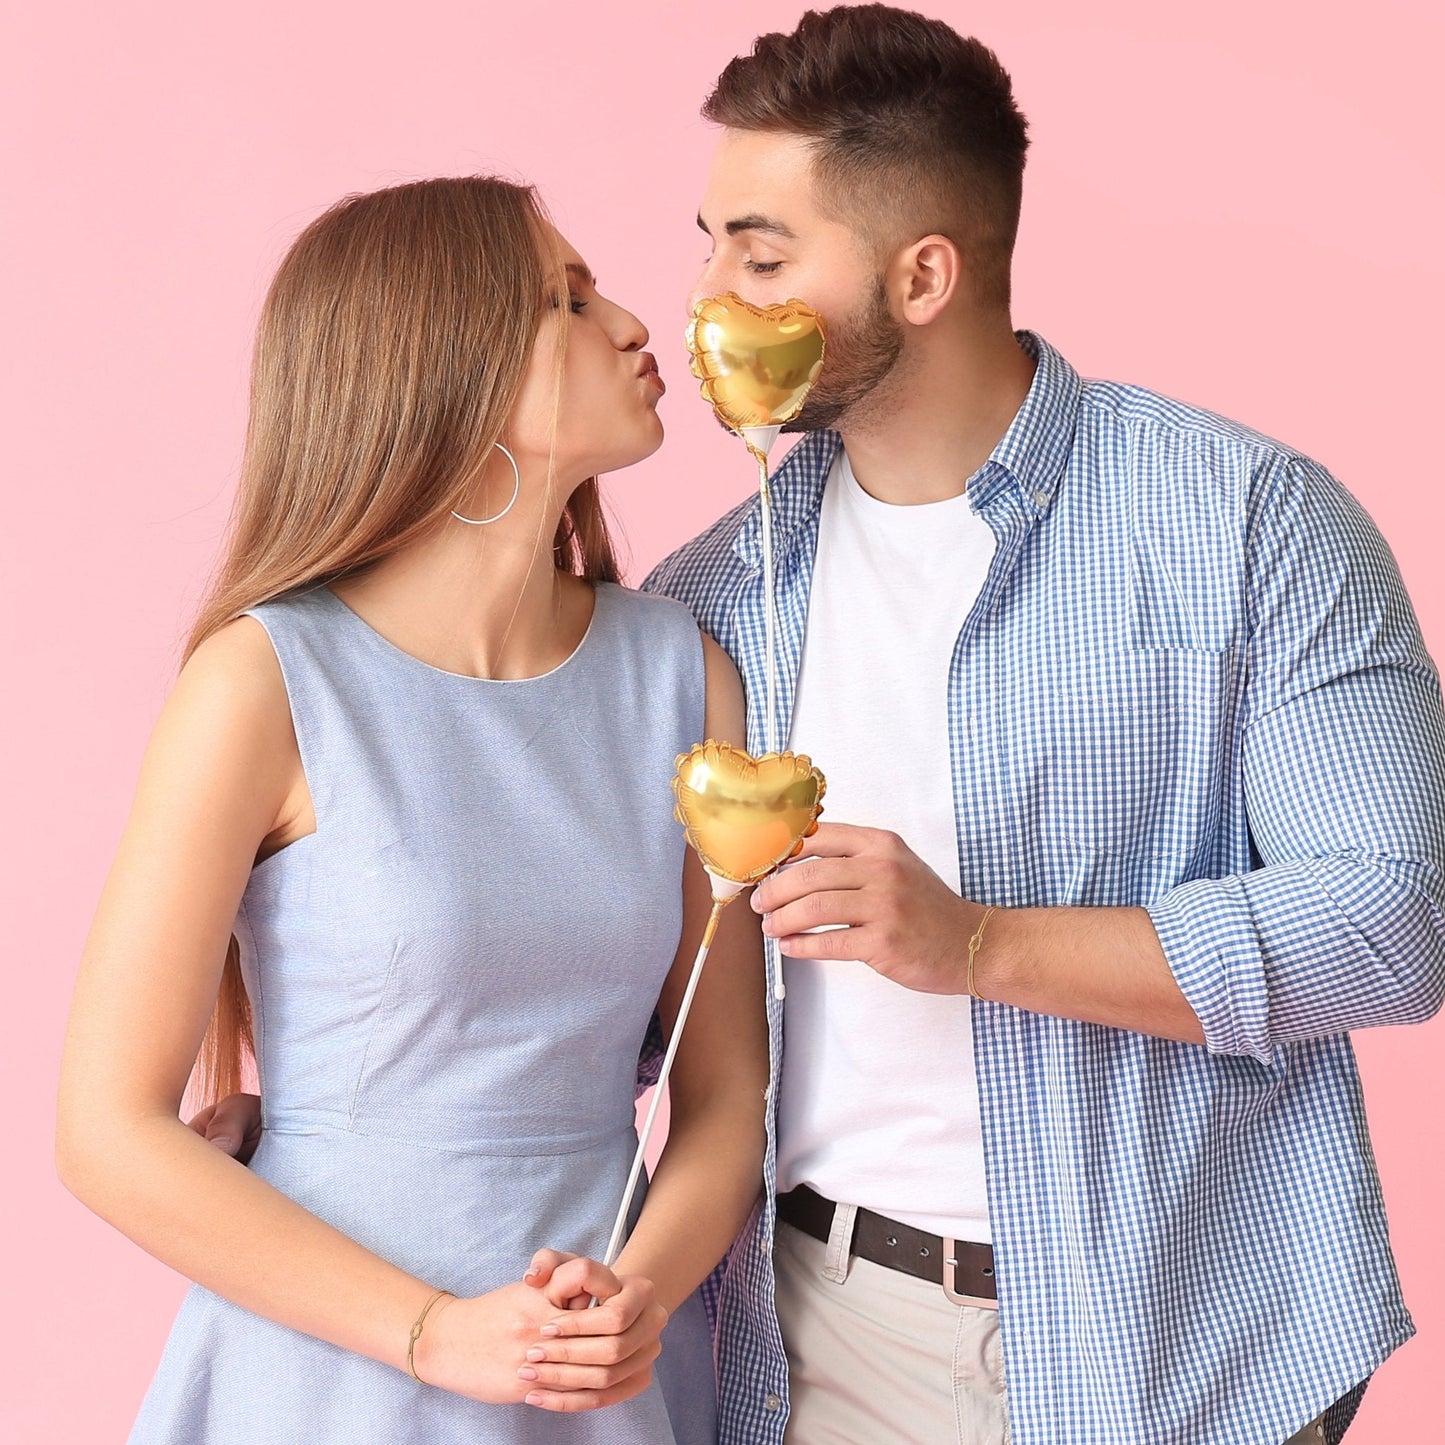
{"points": [[973, 947], [416, 1331]]}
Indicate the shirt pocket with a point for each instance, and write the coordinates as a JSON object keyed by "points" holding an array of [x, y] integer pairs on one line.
{"points": [[1141, 761]]}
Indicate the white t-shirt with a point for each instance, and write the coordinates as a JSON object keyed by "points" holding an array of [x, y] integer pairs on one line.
{"points": [[878, 1104]]}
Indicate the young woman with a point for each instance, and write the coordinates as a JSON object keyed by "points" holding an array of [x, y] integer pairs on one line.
{"points": [[412, 788]]}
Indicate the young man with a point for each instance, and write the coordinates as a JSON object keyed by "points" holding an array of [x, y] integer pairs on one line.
{"points": [[1139, 763]]}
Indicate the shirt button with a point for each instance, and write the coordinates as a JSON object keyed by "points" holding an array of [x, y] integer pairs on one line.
{"points": [[772, 1402], [762, 1244], [1041, 499]]}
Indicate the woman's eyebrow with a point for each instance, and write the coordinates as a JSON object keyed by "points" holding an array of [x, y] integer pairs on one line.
{"points": [[581, 272]]}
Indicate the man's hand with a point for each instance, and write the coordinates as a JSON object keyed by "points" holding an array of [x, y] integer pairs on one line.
{"points": [[902, 919], [233, 1125], [1101, 965]]}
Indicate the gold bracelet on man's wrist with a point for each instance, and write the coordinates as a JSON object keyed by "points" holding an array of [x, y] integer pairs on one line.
{"points": [[974, 944]]}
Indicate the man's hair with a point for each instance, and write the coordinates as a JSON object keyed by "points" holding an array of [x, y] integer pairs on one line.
{"points": [[914, 126]]}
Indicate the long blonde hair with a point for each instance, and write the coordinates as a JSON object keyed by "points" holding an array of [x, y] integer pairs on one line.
{"points": [[390, 353]]}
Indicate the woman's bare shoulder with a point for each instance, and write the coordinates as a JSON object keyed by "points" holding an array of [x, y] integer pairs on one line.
{"points": [[726, 707], [229, 712]]}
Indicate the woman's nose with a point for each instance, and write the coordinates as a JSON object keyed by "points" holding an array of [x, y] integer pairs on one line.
{"points": [[628, 333]]}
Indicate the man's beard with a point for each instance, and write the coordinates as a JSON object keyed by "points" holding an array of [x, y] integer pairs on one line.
{"points": [[861, 352]]}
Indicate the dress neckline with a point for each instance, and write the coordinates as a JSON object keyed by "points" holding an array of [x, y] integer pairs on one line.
{"points": [[600, 601]]}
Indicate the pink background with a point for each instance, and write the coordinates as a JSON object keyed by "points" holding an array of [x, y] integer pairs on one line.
{"points": [[1239, 204]]}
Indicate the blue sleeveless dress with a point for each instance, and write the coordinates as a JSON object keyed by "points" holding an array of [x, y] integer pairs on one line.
{"points": [[451, 980]]}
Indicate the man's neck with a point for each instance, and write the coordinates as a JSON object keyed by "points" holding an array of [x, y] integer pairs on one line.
{"points": [[935, 421]]}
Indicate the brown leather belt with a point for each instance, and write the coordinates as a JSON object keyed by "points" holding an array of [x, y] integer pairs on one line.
{"points": [[964, 1270]]}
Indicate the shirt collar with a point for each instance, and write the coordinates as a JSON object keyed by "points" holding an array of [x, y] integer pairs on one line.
{"points": [[1030, 456], [1034, 450]]}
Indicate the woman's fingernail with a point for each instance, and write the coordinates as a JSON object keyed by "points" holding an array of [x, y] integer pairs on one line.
{"points": [[535, 1398], [526, 1373], [223, 1141], [549, 1332], [536, 1354], [532, 1274]]}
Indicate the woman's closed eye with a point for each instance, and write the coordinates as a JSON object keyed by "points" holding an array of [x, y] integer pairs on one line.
{"points": [[574, 303]]}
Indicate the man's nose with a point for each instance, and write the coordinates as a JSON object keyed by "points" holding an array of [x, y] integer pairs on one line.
{"points": [[704, 286]]}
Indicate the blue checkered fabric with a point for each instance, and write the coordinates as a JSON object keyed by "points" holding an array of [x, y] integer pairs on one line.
{"points": [[1193, 683]]}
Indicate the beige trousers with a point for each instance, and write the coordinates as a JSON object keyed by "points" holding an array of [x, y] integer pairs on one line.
{"points": [[878, 1358]]}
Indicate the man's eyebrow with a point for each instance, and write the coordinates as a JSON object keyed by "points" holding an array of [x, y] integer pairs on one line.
{"points": [[764, 225]]}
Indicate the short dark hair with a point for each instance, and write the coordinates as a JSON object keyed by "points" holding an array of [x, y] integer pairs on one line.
{"points": [[912, 123]]}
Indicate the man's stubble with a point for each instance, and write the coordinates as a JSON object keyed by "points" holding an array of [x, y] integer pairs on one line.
{"points": [[860, 370]]}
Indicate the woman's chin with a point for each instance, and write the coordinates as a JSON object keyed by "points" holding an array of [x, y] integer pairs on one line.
{"points": [[640, 451]]}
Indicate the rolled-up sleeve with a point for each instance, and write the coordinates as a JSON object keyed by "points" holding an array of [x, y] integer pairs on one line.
{"points": [[1342, 924]]}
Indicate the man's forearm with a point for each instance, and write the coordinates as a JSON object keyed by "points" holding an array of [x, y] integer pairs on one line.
{"points": [[1101, 965]]}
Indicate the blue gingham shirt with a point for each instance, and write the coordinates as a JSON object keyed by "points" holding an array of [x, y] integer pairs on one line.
{"points": [[1192, 682]]}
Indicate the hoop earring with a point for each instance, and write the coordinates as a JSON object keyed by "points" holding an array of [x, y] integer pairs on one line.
{"points": [[516, 492]]}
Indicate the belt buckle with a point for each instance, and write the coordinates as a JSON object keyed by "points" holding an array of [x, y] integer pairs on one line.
{"points": [[950, 1276]]}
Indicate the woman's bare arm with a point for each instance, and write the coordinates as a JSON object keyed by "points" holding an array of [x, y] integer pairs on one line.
{"points": [[710, 1172], [221, 780]]}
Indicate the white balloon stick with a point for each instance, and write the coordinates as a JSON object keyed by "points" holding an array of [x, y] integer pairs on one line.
{"points": [[723, 893], [760, 438], [759, 441]]}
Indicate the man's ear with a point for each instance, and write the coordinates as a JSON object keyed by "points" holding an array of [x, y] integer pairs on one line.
{"points": [[924, 279]]}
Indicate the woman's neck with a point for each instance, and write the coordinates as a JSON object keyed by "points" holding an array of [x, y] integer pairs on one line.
{"points": [[481, 602]]}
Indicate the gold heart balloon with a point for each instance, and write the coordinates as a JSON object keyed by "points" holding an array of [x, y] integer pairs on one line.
{"points": [[756, 364], [745, 815]]}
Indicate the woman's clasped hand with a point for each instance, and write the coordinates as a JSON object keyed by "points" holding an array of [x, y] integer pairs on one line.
{"points": [[537, 1342]]}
